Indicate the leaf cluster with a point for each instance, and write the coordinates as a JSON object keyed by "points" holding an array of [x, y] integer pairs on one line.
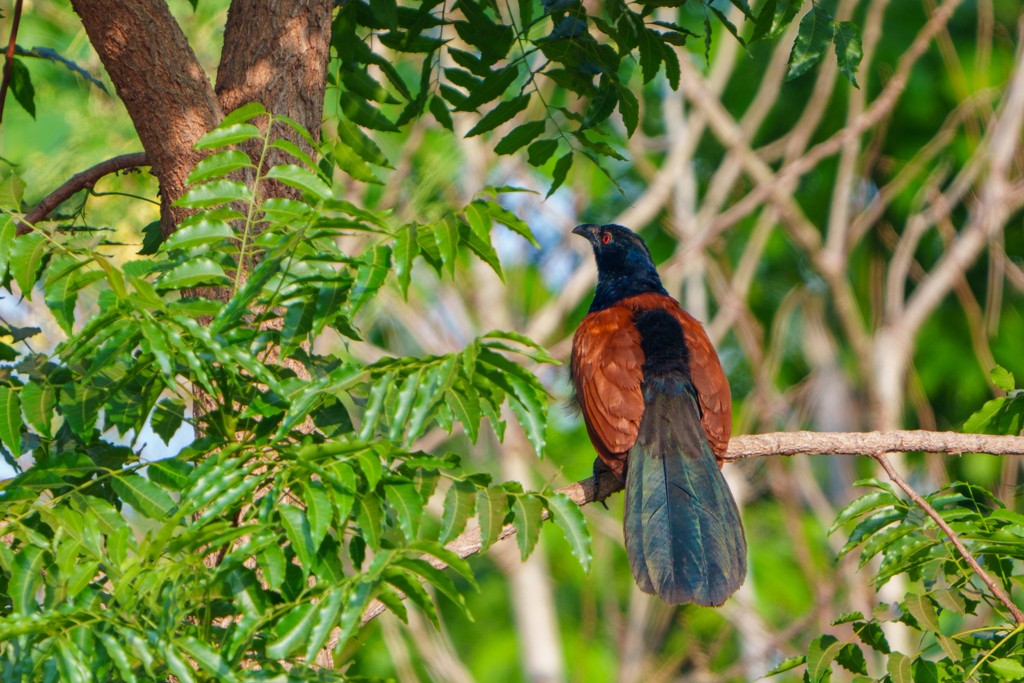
{"points": [[301, 496]]}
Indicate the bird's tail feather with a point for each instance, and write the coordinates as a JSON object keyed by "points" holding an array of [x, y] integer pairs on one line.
{"points": [[683, 531]]}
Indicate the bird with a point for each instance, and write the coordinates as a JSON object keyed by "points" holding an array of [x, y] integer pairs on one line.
{"points": [[658, 410]]}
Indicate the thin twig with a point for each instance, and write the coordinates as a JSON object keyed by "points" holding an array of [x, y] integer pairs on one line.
{"points": [[77, 183], [9, 61], [997, 591]]}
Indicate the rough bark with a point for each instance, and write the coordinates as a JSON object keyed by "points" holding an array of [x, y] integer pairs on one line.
{"points": [[276, 53], [156, 74]]}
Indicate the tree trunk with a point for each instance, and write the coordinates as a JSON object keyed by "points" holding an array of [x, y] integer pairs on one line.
{"points": [[156, 74]]}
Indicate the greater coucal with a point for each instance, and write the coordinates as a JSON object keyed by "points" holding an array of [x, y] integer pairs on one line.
{"points": [[658, 410]]}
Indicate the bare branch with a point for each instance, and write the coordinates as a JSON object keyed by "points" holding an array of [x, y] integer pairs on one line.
{"points": [[871, 444], [78, 182]]}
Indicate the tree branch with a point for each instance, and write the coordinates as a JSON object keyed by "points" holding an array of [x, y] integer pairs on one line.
{"points": [[870, 444], [997, 591], [77, 183]]}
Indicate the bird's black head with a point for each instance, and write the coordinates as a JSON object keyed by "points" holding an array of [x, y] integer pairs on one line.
{"points": [[624, 265]]}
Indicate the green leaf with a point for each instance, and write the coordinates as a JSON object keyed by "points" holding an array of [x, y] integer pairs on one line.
{"points": [[361, 112], [492, 508], [765, 18], [458, 507], [820, 654], [319, 511], [80, 406], [10, 420], [922, 609], [169, 473], [296, 527], [207, 658], [370, 276], [898, 667], [562, 167], [786, 665], [225, 135], [298, 322], [143, 495], [540, 151], [1002, 378], [519, 136], [406, 502], [292, 631], [569, 518], [218, 165], [872, 635], [244, 113], [26, 257], [167, 417], [446, 233], [528, 518], [816, 31], [849, 49], [504, 111], [1007, 669], [440, 112], [197, 232], [865, 503], [327, 612], [851, 658], [300, 178], [405, 250], [363, 145], [215, 193], [37, 404], [21, 86], [196, 271]]}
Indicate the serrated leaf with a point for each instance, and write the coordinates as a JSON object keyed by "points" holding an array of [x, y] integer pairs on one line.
{"points": [[319, 511], [218, 165], [816, 31], [520, 136], [21, 86], [364, 146], [296, 527], [872, 635], [168, 414], [540, 151], [865, 503], [231, 134], [820, 654], [300, 178], [214, 193], [361, 112], [786, 665], [459, 502], [504, 111], [569, 518], [492, 508], [1007, 669], [440, 112], [10, 420], [171, 474], [195, 271], [898, 667], [198, 232], [528, 518], [1002, 378], [406, 502], [852, 659], [292, 631], [298, 323], [922, 609], [559, 173], [26, 257], [327, 612], [849, 49], [143, 495], [37, 403]]}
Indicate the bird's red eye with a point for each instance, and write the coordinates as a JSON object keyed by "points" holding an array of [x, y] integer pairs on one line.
{"points": [[606, 237]]}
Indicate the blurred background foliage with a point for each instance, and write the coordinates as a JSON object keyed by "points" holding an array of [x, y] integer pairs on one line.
{"points": [[802, 337]]}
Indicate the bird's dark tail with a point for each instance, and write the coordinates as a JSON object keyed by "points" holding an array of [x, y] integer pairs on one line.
{"points": [[683, 532]]}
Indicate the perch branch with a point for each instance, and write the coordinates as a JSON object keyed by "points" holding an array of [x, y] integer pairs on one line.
{"points": [[870, 444], [77, 183]]}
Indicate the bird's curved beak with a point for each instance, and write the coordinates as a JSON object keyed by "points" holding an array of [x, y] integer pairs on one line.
{"points": [[587, 230]]}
